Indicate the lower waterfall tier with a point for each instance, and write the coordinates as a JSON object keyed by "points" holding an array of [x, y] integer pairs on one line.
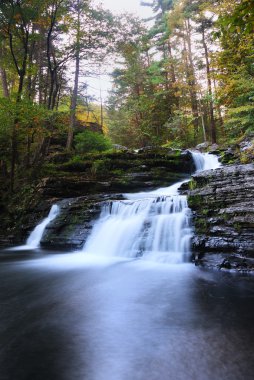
{"points": [[156, 228]]}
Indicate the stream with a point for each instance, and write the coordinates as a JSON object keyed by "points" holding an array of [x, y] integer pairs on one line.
{"points": [[129, 306], [75, 316]]}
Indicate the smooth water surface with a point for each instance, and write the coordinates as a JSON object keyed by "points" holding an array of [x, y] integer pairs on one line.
{"points": [[77, 317], [104, 314]]}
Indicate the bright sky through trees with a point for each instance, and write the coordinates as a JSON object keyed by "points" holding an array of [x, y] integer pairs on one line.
{"points": [[127, 5], [116, 6]]}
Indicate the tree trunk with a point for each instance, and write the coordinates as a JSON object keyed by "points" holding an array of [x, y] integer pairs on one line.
{"points": [[74, 97], [209, 86], [4, 77], [192, 81], [173, 76], [21, 73], [218, 108], [4, 82]]}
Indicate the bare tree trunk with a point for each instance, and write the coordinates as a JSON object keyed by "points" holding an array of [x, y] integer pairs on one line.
{"points": [[4, 83], [4, 77], [218, 108], [39, 56], [209, 86], [21, 73], [74, 97], [30, 65], [173, 75], [192, 81]]}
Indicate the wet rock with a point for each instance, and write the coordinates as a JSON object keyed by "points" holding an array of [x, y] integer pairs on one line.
{"points": [[111, 173], [120, 147], [72, 226], [223, 205], [118, 172], [203, 146]]}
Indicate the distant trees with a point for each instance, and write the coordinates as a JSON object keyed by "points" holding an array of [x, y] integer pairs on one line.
{"points": [[93, 33], [186, 79], [195, 69], [40, 43], [235, 65]]}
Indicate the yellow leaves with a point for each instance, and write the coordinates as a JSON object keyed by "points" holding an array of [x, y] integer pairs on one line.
{"points": [[17, 17], [93, 115]]}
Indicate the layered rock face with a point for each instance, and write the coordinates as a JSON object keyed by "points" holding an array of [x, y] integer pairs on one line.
{"points": [[117, 172], [223, 205], [124, 172], [80, 187], [73, 225]]}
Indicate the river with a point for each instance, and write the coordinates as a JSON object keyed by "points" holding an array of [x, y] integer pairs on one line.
{"points": [[77, 317]]}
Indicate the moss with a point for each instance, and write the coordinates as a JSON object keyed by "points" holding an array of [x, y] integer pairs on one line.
{"points": [[245, 158], [194, 201], [228, 157], [237, 227], [192, 184], [201, 226], [118, 172], [226, 217], [100, 167]]}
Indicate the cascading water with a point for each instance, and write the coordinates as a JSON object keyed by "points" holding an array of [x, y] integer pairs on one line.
{"points": [[34, 238], [155, 225], [205, 161]]}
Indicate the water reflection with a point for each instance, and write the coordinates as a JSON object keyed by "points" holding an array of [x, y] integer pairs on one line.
{"points": [[70, 316]]}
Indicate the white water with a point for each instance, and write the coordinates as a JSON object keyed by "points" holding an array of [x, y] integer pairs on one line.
{"points": [[34, 238], [154, 225], [205, 161]]}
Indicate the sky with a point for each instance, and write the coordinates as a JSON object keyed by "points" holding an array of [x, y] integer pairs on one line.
{"points": [[127, 5], [116, 6]]}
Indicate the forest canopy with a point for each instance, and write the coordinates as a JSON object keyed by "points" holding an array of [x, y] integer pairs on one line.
{"points": [[181, 79]]}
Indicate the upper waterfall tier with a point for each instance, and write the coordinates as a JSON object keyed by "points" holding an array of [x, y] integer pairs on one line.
{"points": [[205, 161], [155, 225]]}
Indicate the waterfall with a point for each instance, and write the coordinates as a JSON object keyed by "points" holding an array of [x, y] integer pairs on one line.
{"points": [[154, 225], [34, 238], [205, 161]]}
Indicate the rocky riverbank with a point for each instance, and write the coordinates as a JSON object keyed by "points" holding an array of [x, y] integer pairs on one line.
{"points": [[222, 201], [81, 184], [223, 205]]}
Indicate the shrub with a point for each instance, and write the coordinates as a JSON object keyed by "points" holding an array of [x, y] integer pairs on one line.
{"points": [[89, 142]]}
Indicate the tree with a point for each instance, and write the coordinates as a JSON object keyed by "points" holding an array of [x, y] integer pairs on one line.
{"points": [[234, 64], [94, 32], [17, 19]]}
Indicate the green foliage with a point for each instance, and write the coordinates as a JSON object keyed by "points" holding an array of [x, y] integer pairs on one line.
{"points": [[89, 142], [32, 122], [143, 99], [235, 65], [180, 130], [192, 184], [240, 120], [100, 167], [160, 95]]}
